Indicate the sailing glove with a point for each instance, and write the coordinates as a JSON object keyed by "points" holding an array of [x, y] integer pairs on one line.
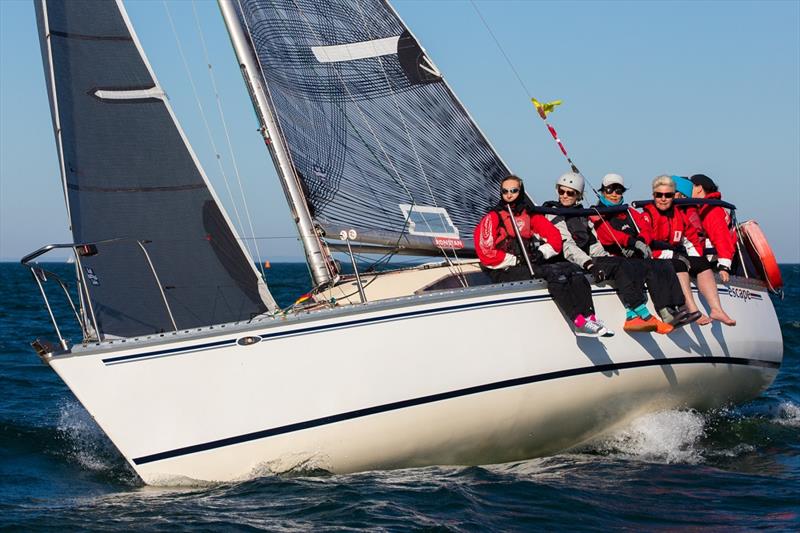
{"points": [[640, 246]]}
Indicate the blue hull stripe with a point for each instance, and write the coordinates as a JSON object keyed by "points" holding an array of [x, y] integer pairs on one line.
{"points": [[337, 325], [359, 413]]}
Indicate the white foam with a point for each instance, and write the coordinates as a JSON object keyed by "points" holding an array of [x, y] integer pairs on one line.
{"points": [[788, 414], [86, 442], [663, 437]]}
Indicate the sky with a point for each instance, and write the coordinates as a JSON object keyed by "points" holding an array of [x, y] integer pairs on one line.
{"points": [[648, 88]]}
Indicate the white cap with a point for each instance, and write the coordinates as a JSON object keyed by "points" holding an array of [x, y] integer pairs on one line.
{"points": [[611, 179]]}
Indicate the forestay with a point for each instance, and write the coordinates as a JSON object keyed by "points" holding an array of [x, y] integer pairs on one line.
{"points": [[377, 139], [131, 180]]}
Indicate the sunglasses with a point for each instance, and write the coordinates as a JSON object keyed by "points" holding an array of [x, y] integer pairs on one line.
{"points": [[663, 195], [515, 190], [614, 189], [566, 192]]}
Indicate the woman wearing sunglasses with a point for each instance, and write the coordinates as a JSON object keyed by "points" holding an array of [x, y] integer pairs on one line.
{"points": [[501, 256], [627, 233], [677, 240], [583, 248]]}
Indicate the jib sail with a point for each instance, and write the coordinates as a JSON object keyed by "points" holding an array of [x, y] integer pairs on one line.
{"points": [[133, 185]]}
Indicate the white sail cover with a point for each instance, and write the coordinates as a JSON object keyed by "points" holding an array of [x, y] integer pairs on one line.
{"points": [[132, 180], [376, 137]]}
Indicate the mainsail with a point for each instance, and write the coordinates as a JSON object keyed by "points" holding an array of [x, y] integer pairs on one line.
{"points": [[377, 139], [166, 255]]}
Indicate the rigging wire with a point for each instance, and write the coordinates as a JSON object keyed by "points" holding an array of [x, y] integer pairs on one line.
{"points": [[543, 115], [203, 115], [227, 135]]}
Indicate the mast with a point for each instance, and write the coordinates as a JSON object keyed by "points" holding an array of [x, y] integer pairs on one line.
{"points": [[316, 256]]}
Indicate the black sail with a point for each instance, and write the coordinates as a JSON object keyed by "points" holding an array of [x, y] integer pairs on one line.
{"points": [[376, 137], [134, 186]]}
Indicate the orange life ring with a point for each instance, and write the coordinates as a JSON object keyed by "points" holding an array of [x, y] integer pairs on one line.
{"points": [[761, 254]]}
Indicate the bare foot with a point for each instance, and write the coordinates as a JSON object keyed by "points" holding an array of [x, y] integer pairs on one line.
{"points": [[722, 316], [703, 321]]}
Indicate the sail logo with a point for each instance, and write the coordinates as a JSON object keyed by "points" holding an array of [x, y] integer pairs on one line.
{"points": [[447, 243], [92, 277]]}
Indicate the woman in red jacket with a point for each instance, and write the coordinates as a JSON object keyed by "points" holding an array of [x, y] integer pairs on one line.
{"points": [[716, 224], [502, 257], [675, 239], [628, 233]]}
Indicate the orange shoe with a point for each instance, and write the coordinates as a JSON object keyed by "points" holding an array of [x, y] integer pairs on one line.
{"points": [[638, 324], [662, 328]]}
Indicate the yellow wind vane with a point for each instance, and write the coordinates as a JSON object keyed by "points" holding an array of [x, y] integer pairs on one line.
{"points": [[547, 107]]}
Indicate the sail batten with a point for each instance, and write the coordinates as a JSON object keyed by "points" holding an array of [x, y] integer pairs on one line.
{"points": [[167, 256], [369, 123]]}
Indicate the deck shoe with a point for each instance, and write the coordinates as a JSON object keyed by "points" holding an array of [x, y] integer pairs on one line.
{"points": [[662, 328], [689, 318], [608, 332], [590, 328], [639, 324], [667, 314]]}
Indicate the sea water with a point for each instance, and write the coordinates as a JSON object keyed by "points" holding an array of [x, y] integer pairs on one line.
{"points": [[735, 468]]}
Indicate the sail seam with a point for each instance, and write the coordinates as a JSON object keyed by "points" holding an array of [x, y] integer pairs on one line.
{"points": [[85, 37], [94, 188]]}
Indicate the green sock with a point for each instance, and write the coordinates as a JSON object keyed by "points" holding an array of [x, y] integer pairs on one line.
{"points": [[642, 311], [629, 314]]}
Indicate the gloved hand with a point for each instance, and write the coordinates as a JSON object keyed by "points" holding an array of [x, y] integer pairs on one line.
{"points": [[597, 273], [628, 252], [508, 261], [640, 246], [536, 256]]}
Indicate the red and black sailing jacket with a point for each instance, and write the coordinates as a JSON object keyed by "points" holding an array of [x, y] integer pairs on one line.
{"points": [[716, 222], [671, 230], [495, 237], [619, 230]]}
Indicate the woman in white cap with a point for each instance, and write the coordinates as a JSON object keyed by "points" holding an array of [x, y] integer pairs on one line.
{"points": [[626, 233], [582, 247]]}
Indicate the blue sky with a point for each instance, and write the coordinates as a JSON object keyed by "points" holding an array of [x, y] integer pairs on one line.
{"points": [[648, 88]]}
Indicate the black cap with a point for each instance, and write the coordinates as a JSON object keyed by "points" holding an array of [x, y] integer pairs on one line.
{"points": [[705, 182]]}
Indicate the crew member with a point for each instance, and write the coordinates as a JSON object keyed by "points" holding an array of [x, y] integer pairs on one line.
{"points": [[582, 247], [716, 223], [497, 242]]}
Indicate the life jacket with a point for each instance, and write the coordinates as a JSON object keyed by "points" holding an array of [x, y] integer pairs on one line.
{"points": [[506, 239], [578, 226], [617, 230]]}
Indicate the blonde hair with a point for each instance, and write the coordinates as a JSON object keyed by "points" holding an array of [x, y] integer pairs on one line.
{"points": [[663, 180]]}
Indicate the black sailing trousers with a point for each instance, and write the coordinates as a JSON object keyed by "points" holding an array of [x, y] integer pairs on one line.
{"points": [[662, 283], [566, 283], [628, 277]]}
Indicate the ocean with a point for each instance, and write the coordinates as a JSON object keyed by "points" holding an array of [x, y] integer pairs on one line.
{"points": [[732, 469]]}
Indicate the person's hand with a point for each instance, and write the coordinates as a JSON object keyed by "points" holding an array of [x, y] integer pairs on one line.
{"points": [[597, 273], [724, 274], [640, 246], [536, 256]]}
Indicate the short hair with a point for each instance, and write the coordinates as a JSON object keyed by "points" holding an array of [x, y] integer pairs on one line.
{"points": [[512, 177], [663, 180]]}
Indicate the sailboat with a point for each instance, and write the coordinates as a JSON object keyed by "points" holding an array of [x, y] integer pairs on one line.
{"points": [[194, 372]]}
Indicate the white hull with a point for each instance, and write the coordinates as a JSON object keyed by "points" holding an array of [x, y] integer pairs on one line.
{"points": [[469, 377]]}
